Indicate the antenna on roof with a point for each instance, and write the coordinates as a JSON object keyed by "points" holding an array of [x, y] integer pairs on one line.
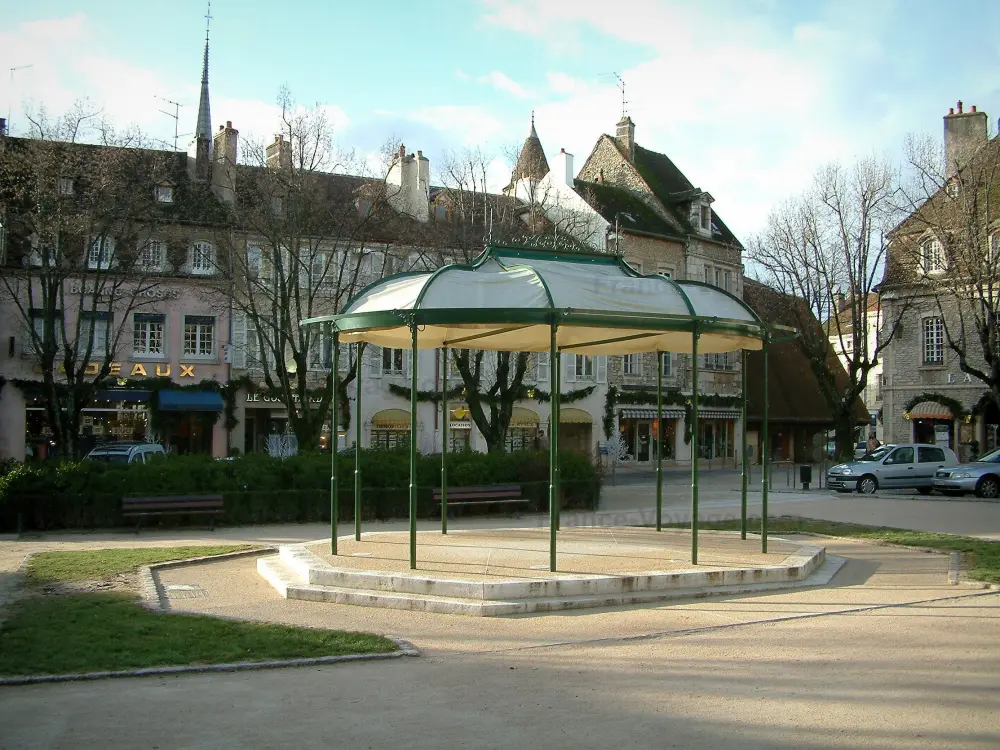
{"points": [[176, 116], [621, 86]]}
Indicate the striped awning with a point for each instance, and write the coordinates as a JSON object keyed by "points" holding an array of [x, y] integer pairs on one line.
{"points": [[930, 410], [671, 413], [574, 416], [391, 419], [709, 413], [522, 417]]}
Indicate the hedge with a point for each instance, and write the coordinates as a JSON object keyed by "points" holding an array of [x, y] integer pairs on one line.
{"points": [[261, 489]]}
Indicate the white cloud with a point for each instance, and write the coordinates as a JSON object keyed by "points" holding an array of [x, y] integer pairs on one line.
{"points": [[502, 82], [465, 125]]}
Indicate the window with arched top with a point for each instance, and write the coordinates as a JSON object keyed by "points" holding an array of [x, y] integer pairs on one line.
{"points": [[202, 258], [932, 256]]}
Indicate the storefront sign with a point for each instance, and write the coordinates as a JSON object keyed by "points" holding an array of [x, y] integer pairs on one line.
{"points": [[151, 292], [966, 378], [160, 369], [267, 398]]}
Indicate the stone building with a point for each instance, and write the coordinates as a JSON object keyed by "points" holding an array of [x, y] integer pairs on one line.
{"points": [[938, 257]]}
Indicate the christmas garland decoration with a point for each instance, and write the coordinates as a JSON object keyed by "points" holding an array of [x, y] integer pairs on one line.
{"points": [[957, 410], [524, 393]]}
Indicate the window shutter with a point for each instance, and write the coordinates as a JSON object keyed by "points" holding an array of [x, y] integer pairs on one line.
{"points": [[542, 367], [639, 358], [407, 361], [569, 367], [602, 368], [240, 341]]}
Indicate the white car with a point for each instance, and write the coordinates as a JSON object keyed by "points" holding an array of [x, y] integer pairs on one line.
{"points": [[892, 467], [126, 452]]}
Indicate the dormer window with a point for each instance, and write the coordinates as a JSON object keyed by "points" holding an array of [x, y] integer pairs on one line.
{"points": [[932, 256], [65, 186], [706, 218], [164, 194]]}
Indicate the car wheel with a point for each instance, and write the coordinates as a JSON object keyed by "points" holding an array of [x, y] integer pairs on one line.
{"points": [[867, 485], [989, 487]]}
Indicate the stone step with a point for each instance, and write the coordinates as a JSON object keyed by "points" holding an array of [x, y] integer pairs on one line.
{"points": [[291, 586]]}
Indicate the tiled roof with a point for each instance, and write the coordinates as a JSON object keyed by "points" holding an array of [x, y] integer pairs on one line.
{"points": [[793, 391]]}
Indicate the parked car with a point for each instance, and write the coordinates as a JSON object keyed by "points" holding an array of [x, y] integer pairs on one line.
{"points": [[981, 476], [892, 467], [126, 452]]}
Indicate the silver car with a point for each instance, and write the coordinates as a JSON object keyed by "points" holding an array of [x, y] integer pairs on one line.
{"points": [[981, 477], [892, 467]]}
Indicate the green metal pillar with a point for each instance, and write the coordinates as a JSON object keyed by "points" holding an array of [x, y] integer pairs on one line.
{"points": [[744, 479], [694, 445], [557, 403], [553, 454], [659, 441], [413, 445], [765, 453], [357, 445], [444, 440], [334, 406]]}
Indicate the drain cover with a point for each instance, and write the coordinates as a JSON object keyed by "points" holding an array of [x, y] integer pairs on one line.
{"points": [[185, 591]]}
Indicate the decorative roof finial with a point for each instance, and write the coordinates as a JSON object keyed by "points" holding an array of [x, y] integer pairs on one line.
{"points": [[533, 134]]}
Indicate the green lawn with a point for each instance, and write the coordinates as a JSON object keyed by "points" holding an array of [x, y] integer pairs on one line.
{"points": [[93, 565], [60, 634], [985, 556], [97, 632]]}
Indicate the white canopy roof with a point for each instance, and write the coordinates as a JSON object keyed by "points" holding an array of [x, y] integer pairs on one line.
{"points": [[510, 297]]}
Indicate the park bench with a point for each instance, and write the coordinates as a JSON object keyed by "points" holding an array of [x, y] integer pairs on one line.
{"points": [[501, 494], [202, 505]]}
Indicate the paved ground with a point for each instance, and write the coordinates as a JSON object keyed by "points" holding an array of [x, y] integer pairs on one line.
{"points": [[889, 655]]}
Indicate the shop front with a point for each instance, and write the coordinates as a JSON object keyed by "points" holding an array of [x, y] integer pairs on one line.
{"points": [[640, 437], [185, 420], [390, 429], [522, 434], [933, 423], [113, 415], [717, 434], [459, 428], [575, 430]]}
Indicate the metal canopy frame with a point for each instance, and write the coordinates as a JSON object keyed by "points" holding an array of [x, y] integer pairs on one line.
{"points": [[365, 320]]}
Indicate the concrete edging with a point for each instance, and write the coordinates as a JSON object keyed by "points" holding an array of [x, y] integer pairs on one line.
{"points": [[150, 593], [405, 649]]}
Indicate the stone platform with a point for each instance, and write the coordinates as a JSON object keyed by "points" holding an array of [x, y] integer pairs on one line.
{"points": [[504, 572]]}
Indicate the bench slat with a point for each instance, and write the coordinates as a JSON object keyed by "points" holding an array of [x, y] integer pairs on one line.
{"points": [[171, 498], [489, 502], [172, 508], [134, 514]]}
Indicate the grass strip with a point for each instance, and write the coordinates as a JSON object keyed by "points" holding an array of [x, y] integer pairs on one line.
{"points": [[984, 555], [97, 632], [98, 564]]}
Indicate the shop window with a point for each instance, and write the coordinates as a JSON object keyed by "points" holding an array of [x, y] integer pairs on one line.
{"points": [[199, 336], [147, 334], [390, 439], [933, 334], [520, 439]]}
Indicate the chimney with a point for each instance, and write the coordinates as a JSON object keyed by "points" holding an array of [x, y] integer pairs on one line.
{"points": [[562, 168], [409, 179], [625, 137], [224, 163], [279, 153], [964, 133]]}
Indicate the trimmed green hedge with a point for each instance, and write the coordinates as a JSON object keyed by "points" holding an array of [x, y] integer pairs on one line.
{"points": [[261, 489]]}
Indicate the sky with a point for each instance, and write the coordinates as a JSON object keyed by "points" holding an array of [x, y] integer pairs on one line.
{"points": [[748, 97]]}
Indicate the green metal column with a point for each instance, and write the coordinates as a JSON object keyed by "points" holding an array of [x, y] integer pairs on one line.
{"points": [[357, 445], [765, 452], [694, 445], [444, 440], [659, 441], [743, 463], [557, 403], [334, 406], [553, 455], [413, 445]]}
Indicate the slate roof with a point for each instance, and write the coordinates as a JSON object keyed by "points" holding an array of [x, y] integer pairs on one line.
{"points": [[531, 162], [793, 391], [611, 201]]}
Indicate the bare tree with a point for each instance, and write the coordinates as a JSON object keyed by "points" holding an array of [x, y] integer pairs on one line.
{"points": [[303, 237], [948, 250], [828, 248], [79, 218]]}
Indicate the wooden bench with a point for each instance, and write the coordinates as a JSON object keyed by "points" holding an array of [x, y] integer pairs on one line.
{"points": [[201, 505], [502, 494]]}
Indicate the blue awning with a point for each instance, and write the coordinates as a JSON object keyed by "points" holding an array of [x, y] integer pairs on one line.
{"points": [[190, 401], [123, 394]]}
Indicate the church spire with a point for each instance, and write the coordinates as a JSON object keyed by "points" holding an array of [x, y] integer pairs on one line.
{"points": [[203, 129]]}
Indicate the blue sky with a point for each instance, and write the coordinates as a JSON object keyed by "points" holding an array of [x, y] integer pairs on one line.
{"points": [[748, 97]]}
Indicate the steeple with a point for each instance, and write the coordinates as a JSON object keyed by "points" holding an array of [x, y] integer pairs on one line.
{"points": [[203, 129], [531, 162]]}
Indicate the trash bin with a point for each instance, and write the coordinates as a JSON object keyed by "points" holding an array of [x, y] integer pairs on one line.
{"points": [[805, 475]]}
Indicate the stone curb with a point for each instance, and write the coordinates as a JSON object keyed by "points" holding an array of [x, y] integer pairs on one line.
{"points": [[152, 597], [405, 649]]}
